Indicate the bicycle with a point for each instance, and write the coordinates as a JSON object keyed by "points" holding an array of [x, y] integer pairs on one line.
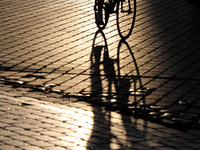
{"points": [[125, 15]]}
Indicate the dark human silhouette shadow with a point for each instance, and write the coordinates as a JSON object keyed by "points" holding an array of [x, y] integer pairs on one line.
{"points": [[111, 83], [101, 126]]}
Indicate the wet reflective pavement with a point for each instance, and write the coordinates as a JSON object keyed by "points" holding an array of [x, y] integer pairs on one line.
{"points": [[142, 93]]}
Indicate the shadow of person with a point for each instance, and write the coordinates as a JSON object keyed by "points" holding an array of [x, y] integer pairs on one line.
{"points": [[98, 46], [111, 81], [101, 126]]}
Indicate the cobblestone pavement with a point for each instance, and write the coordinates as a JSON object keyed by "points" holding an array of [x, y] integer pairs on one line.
{"points": [[55, 47], [28, 122]]}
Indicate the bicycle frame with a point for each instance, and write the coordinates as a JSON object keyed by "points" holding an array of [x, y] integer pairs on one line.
{"points": [[111, 4], [122, 8]]}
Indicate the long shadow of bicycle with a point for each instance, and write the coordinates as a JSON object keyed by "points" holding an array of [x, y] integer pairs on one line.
{"points": [[115, 79], [115, 85]]}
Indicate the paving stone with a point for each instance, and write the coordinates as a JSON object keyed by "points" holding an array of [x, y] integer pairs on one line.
{"points": [[43, 138], [4, 138], [31, 148], [26, 133], [192, 145], [39, 143], [77, 147], [55, 147], [151, 144], [15, 143], [174, 144], [25, 126], [33, 116], [5, 147], [161, 134], [7, 133], [51, 133], [28, 121], [22, 138], [62, 143]]}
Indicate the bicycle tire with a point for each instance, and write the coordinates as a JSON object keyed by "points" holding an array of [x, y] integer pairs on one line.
{"points": [[127, 63], [126, 19], [105, 16]]}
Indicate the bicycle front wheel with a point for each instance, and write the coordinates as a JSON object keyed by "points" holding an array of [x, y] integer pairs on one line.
{"points": [[126, 12]]}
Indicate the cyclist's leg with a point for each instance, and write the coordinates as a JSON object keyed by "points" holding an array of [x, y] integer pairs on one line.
{"points": [[100, 3], [99, 19]]}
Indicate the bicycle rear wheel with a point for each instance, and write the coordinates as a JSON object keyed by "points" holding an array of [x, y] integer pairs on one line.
{"points": [[126, 12], [105, 16]]}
